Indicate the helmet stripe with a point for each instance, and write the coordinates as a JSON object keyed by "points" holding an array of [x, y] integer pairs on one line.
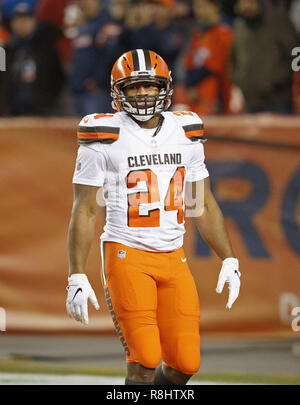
{"points": [[141, 59], [135, 59], [147, 59]]}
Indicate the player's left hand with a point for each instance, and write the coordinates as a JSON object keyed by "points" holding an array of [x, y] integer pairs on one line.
{"points": [[230, 274]]}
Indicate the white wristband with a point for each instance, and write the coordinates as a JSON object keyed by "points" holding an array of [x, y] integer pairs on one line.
{"points": [[231, 261], [78, 277]]}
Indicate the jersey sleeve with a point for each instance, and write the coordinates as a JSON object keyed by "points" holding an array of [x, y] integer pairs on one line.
{"points": [[192, 128], [100, 128], [90, 166], [197, 168]]}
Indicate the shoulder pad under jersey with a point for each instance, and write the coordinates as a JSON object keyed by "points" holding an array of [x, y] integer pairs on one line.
{"points": [[192, 125], [102, 128]]}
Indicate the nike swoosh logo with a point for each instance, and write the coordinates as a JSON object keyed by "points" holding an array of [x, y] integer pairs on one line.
{"points": [[78, 290], [236, 272], [183, 260], [86, 121]]}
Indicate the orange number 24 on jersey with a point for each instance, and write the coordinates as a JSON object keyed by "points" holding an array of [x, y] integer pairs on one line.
{"points": [[173, 200]]}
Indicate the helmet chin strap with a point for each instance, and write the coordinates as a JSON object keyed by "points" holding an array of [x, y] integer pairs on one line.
{"points": [[141, 118]]}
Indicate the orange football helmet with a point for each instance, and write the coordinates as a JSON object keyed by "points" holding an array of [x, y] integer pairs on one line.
{"points": [[141, 65]]}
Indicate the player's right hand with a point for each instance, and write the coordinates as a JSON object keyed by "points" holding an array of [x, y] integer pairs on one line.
{"points": [[79, 292]]}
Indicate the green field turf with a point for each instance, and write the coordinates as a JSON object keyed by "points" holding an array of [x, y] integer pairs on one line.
{"points": [[23, 365]]}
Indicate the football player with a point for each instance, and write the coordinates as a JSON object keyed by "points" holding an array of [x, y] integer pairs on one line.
{"points": [[150, 164]]}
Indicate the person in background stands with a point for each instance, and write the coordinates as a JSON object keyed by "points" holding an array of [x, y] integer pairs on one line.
{"points": [[150, 24], [34, 76], [94, 49], [260, 60], [206, 60]]}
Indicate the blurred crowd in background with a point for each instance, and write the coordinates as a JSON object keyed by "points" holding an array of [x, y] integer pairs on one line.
{"points": [[226, 57]]}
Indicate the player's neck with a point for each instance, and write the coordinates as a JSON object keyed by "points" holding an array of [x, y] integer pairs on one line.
{"points": [[152, 123]]}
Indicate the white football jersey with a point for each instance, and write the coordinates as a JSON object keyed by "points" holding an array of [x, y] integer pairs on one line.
{"points": [[143, 176]]}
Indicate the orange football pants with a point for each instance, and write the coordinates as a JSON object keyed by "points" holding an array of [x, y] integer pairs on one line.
{"points": [[153, 302]]}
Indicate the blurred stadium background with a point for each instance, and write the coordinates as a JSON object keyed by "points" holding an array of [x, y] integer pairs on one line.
{"points": [[253, 154]]}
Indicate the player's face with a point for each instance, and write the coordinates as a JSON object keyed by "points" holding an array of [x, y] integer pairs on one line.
{"points": [[142, 89]]}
